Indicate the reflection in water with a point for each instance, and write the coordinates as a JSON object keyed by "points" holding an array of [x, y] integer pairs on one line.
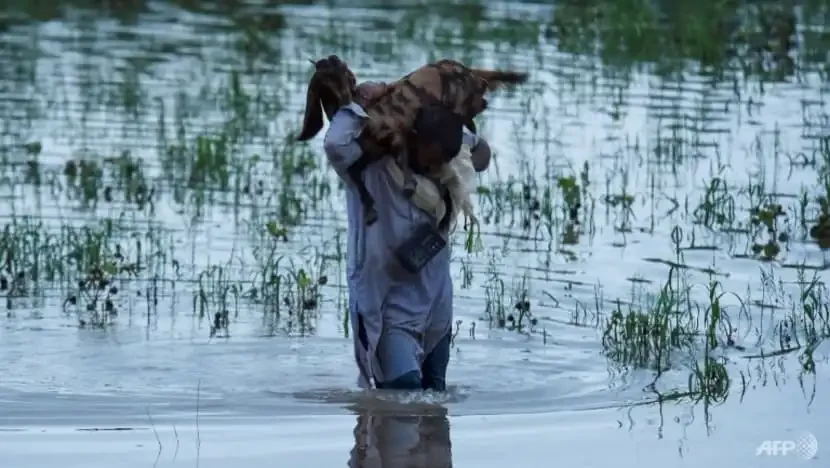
{"points": [[401, 436]]}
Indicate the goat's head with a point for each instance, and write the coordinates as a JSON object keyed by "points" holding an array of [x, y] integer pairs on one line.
{"points": [[331, 87]]}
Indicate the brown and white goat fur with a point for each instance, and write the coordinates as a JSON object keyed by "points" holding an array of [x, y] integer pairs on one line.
{"points": [[448, 83]]}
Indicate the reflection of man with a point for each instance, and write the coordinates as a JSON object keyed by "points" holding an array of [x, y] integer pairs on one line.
{"points": [[388, 440]]}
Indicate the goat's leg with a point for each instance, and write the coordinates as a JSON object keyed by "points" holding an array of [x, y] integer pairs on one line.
{"points": [[472, 126], [409, 182], [370, 214]]}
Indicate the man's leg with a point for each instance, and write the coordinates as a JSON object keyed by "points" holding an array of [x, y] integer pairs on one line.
{"points": [[409, 381], [398, 353], [434, 370], [439, 331]]}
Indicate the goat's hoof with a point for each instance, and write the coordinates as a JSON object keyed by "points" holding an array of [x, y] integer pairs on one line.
{"points": [[371, 216]]}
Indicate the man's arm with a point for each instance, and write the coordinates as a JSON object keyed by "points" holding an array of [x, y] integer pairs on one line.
{"points": [[340, 142]]}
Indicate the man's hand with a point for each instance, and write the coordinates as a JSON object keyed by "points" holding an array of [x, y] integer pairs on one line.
{"points": [[369, 92], [481, 155]]}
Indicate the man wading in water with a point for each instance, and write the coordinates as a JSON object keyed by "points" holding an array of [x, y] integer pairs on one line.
{"points": [[401, 319]]}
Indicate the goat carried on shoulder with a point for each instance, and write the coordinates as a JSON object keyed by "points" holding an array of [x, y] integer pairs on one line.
{"points": [[392, 117]]}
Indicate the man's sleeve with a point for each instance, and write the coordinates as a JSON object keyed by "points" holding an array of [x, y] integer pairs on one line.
{"points": [[469, 138], [340, 143]]}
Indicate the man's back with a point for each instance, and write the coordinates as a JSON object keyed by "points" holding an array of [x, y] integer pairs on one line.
{"points": [[398, 317], [416, 303]]}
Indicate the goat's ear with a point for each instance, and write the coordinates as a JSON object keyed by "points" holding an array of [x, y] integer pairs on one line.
{"points": [[313, 118]]}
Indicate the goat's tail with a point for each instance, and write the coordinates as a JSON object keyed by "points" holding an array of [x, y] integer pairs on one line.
{"points": [[498, 78]]}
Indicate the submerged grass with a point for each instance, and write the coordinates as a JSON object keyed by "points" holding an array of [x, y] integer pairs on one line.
{"points": [[170, 170]]}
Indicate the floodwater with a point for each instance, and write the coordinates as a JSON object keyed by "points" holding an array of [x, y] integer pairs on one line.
{"points": [[162, 127]]}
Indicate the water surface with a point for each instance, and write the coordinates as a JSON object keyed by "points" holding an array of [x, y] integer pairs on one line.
{"points": [[150, 143]]}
